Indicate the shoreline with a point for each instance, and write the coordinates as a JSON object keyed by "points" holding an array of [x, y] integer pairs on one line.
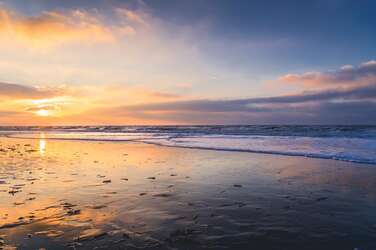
{"points": [[144, 140], [84, 194]]}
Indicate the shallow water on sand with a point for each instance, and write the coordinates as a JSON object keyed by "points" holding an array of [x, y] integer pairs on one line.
{"points": [[108, 195]]}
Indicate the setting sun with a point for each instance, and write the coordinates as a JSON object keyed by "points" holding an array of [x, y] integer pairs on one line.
{"points": [[43, 112]]}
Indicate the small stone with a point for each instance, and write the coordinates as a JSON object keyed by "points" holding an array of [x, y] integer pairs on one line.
{"points": [[97, 206], [74, 212], [321, 198], [165, 195], [91, 233]]}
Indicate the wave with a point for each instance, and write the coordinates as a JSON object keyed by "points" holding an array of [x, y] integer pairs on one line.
{"points": [[344, 149], [360, 149], [357, 131]]}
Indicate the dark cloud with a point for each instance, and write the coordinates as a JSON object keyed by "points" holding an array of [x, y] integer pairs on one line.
{"points": [[22, 91], [346, 106], [256, 104]]}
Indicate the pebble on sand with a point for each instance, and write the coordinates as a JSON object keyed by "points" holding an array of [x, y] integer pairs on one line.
{"points": [[50, 233], [91, 233]]}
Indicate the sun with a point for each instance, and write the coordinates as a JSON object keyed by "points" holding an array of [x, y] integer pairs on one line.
{"points": [[43, 112]]}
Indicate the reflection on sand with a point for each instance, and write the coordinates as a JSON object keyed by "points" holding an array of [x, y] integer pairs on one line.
{"points": [[42, 143], [86, 194]]}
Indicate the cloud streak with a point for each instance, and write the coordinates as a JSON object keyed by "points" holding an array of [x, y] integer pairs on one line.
{"points": [[61, 27], [365, 73], [356, 105], [254, 104], [53, 27], [115, 104], [19, 91]]}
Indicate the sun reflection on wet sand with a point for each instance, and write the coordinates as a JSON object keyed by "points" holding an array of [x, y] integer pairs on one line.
{"points": [[42, 143], [102, 191]]}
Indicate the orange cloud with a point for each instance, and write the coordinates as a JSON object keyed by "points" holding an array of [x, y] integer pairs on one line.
{"points": [[347, 75], [56, 27], [18, 91], [26, 105]]}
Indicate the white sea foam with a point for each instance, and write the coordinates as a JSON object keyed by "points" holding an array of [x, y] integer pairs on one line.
{"points": [[342, 146], [346, 149]]}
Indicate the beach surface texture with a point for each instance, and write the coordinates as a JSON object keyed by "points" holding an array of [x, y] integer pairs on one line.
{"points": [[116, 194]]}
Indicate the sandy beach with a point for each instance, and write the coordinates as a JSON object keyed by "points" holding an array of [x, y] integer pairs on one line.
{"points": [[187, 125], [57, 194]]}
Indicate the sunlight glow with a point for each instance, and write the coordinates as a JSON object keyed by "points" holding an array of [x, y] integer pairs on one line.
{"points": [[42, 144], [43, 112]]}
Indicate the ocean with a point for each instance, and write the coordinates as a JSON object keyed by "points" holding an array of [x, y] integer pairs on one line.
{"points": [[345, 143]]}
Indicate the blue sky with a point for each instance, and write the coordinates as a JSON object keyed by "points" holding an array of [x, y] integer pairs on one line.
{"points": [[191, 50], [322, 33]]}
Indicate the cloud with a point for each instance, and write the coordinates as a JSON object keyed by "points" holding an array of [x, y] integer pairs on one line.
{"points": [[136, 17], [60, 27], [355, 105], [49, 107], [259, 104], [365, 73], [98, 46], [9, 113], [349, 106], [162, 95], [18, 91]]}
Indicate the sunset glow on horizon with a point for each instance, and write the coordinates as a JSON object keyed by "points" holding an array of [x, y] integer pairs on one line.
{"points": [[144, 62]]}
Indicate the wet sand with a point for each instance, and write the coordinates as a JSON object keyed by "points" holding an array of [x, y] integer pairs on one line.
{"points": [[107, 195]]}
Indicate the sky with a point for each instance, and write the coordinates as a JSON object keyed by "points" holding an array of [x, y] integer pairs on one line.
{"points": [[143, 62]]}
